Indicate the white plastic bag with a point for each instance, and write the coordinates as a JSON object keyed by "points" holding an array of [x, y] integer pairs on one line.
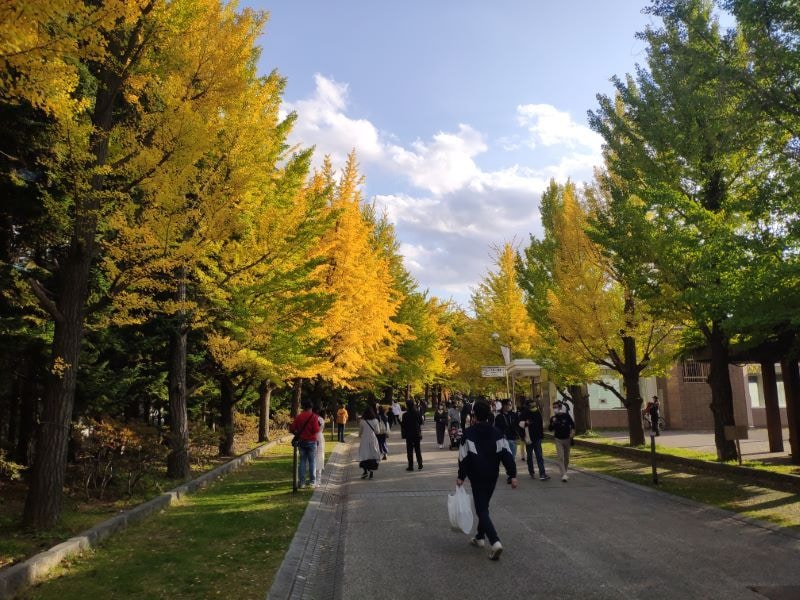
{"points": [[459, 509]]}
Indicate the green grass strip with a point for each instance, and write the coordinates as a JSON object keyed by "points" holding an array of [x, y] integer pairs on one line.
{"points": [[227, 541]]}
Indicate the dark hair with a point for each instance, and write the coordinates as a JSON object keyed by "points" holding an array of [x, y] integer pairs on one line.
{"points": [[481, 411], [321, 412], [305, 404], [369, 413], [381, 410]]}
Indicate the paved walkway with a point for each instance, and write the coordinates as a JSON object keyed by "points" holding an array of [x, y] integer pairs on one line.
{"points": [[755, 447], [592, 538]]}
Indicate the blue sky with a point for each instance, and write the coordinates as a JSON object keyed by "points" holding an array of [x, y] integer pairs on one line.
{"points": [[460, 111]]}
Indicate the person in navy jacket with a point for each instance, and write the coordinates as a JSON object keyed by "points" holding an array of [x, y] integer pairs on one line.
{"points": [[483, 448]]}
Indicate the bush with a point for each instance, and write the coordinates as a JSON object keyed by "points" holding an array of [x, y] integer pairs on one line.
{"points": [[9, 470], [280, 420], [111, 451], [203, 443]]}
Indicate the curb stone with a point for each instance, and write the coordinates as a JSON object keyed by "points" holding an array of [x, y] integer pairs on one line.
{"points": [[18, 577]]}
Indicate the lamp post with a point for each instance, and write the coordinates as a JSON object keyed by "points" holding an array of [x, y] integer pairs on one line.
{"points": [[506, 352]]}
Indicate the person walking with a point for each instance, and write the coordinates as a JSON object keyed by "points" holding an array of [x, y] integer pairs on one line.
{"points": [[411, 427], [482, 450], [507, 422], [440, 420], [383, 431], [320, 466], [533, 423], [563, 428], [397, 413], [654, 410], [369, 452], [341, 421], [453, 414], [306, 425], [466, 412]]}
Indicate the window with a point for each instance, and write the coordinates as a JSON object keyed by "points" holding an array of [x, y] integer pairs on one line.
{"points": [[755, 393], [695, 372]]}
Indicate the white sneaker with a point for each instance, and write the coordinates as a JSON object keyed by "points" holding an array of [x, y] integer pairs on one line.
{"points": [[564, 478], [478, 542], [497, 548]]}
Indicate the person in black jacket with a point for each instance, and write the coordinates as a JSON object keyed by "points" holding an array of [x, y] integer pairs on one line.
{"points": [[411, 426], [482, 450], [508, 424], [440, 419], [563, 428], [533, 425]]}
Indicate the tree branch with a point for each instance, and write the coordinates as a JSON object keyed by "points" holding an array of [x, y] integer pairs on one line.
{"points": [[45, 301]]}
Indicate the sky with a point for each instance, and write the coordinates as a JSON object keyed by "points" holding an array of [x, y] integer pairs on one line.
{"points": [[460, 111]]}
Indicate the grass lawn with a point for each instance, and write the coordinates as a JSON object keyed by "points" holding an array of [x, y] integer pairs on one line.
{"points": [[775, 506], [224, 542]]}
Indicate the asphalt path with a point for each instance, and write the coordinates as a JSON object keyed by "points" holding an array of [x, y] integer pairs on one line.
{"points": [[591, 537]]}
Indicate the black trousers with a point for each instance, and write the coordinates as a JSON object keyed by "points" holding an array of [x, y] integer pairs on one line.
{"points": [[412, 446], [482, 494]]}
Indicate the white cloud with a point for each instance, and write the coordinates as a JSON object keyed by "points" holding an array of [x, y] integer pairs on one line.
{"points": [[549, 126], [449, 212], [444, 165], [322, 122]]}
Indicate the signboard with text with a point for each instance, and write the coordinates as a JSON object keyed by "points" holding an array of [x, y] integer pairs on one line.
{"points": [[493, 371]]}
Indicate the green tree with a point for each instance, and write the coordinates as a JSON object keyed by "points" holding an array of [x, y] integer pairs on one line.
{"points": [[681, 140]]}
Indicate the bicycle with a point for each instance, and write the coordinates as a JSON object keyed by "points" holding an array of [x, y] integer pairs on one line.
{"points": [[647, 423]]}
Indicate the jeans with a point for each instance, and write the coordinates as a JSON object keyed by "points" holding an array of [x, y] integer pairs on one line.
{"points": [[340, 431], [308, 456], [482, 493], [512, 446], [535, 447]]}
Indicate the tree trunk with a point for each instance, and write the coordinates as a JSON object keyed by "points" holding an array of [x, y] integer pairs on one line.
{"points": [[264, 398], [318, 392], [227, 404], [791, 386], [721, 393], [298, 392], [771, 408], [43, 502], [27, 414], [633, 404], [13, 410], [582, 416], [178, 457]]}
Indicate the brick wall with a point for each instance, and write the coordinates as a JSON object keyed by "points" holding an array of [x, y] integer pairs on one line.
{"points": [[615, 418], [688, 403]]}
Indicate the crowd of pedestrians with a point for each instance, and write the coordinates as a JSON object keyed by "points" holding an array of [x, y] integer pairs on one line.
{"points": [[486, 433]]}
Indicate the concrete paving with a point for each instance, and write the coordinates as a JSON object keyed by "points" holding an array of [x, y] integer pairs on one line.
{"points": [[755, 447], [593, 537]]}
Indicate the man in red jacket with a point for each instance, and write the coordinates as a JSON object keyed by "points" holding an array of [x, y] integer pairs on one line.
{"points": [[306, 424]]}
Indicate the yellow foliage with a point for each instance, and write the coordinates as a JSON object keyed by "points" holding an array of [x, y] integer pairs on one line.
{"points": [[359, 326]]}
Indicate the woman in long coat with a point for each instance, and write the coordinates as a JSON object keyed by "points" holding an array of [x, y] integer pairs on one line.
{"points": [[369, 452]]}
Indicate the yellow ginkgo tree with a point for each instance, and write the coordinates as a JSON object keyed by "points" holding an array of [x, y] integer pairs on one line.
{"points": [[595, 318]]}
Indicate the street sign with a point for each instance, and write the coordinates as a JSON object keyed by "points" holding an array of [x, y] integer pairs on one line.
{"points": [[493, 371]]}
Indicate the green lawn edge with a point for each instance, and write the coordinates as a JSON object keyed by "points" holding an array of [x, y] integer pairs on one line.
{"points": [[227, 540]]}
